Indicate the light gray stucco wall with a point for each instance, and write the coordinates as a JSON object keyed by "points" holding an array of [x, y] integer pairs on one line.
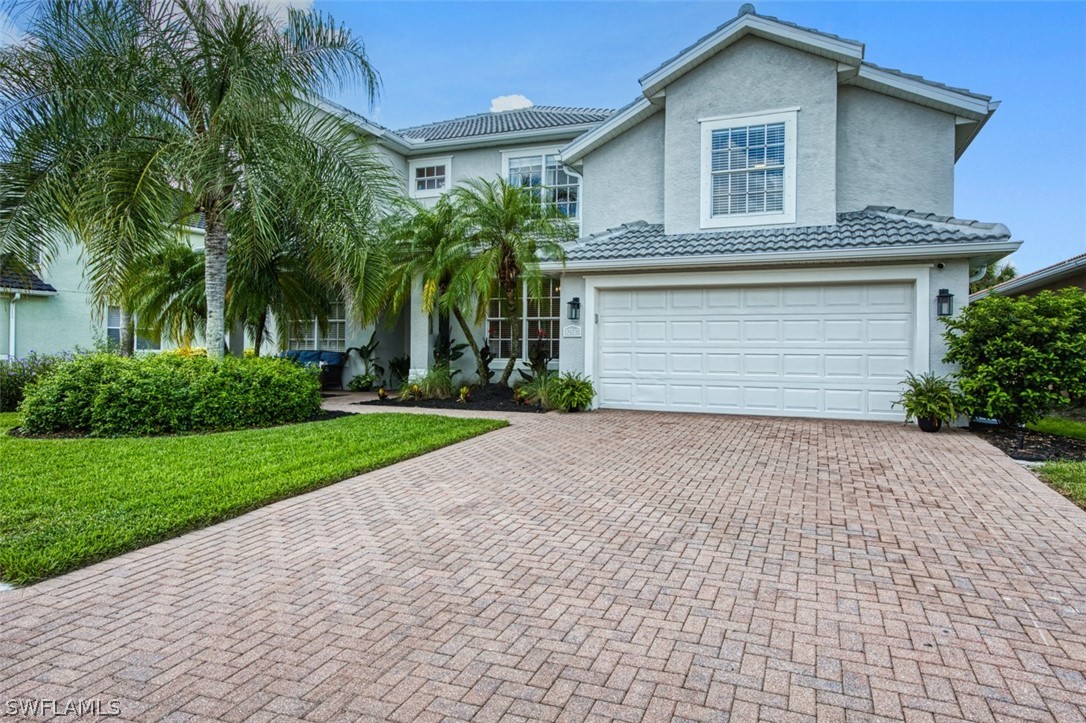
{"points": [[954, 276], [893, 153], [572, 351], [624, 179], [753, 76]]}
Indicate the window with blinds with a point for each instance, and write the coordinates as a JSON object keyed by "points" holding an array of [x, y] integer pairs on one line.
{"points": [[748, 170]]}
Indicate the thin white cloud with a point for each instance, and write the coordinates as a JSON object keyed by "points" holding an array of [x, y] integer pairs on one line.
{"points": [[509, 102], [279, 8], [9, 31]]}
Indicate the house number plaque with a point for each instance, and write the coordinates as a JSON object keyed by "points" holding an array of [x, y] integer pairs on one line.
{"points": [[571, 332]]}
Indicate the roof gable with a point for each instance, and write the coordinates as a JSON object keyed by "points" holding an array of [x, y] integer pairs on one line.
{"points": [[749, 23]]}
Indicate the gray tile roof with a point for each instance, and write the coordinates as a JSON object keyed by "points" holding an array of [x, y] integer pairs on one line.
{"points": [[1048, 275], [927, 81], [736, 19], [22, 280], [875, 226], [509, 121]]}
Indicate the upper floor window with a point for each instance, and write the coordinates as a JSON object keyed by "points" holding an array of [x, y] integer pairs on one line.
{"points": [[553, 183], [429, 177], [748, 173], [306, 333]]}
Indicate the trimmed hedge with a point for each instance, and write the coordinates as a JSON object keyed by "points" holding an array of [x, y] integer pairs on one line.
{"points": [[103, 395], [17, 374]]}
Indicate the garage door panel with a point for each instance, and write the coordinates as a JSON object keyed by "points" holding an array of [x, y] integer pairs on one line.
{"points": [[762, 364], [834, 351], [688, 363], [801, 400], [723, 363], [650, 331], [681, 331]]}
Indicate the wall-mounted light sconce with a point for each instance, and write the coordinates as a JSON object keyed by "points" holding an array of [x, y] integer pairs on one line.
{"points": [[944, 303], [574, 309]]}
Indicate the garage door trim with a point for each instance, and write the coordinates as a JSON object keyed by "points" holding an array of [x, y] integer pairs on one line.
{"points": [[917, 275]]}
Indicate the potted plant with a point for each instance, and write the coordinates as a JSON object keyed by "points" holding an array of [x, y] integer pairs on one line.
{"points": [[929, 399]]}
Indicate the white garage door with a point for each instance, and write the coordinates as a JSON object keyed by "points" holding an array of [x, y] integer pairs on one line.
{"points": [[815, 351]]}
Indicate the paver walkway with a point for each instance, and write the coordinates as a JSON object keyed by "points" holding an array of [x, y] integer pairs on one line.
{"points": [[608, 565]]}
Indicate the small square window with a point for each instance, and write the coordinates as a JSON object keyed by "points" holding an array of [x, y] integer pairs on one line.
{"points": [[429, 177]]}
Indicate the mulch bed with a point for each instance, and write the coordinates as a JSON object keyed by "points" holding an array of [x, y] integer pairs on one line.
{"points": [[491, 398], [1036, 446]]}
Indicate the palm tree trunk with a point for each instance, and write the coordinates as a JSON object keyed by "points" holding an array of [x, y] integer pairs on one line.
{"points": [[469, 336], [514, 346], [128, 338], [215, 286], [258, 337]]}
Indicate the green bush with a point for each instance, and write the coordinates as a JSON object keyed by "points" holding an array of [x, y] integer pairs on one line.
{"points": [[538, 388], [17, 374], [929, 397], [571, 392], [437, 383], [107, 395], [1019, 358]]}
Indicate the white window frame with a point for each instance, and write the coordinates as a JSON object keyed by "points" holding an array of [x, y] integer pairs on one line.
{"points": [[319, 341], [416, 163], [758, 218], [136, 336], [527, 339], [543, 152]]}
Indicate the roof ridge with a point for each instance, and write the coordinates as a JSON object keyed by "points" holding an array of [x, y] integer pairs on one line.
{"points": [[936, 219], [927, 81], [531, 108]]}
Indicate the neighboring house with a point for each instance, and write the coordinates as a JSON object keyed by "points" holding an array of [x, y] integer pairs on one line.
{"points": [[764, 230], [1071, 272]]}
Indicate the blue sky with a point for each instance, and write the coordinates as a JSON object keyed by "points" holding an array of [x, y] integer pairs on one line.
{"points": [[1027, 169]]}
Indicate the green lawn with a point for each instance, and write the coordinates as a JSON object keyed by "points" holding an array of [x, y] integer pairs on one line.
{"points": [[1067, 477], [1061, 426], [65, 503]]}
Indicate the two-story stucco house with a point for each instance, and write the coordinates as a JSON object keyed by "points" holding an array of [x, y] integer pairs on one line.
{"points": [[764, 230]]}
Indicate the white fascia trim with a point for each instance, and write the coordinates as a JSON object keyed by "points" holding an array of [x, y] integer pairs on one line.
{"points": [[944, 99], [562, 133], [835, 48], [611, 128], [26, 292], [416, 163], [968, 250], [1025, 282], [918, 274]]}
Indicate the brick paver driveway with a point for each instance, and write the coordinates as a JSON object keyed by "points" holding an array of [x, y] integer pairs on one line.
{"points": [[611, 565]]}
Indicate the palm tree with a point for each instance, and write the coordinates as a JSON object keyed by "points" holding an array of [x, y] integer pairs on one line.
{"points": [[427, 247], [506, 230], [166, 291], [122, 119], [993, 275]]}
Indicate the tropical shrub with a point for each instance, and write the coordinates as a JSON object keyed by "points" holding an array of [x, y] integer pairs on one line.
{"points": [[106, 395], [929, 397], [572, 392], [1019, 358], [362, 382], [438, 382], [537, 389], [17, 374]]}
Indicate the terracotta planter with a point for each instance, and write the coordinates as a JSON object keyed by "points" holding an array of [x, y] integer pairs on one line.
{"points": [[930, 425]]}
